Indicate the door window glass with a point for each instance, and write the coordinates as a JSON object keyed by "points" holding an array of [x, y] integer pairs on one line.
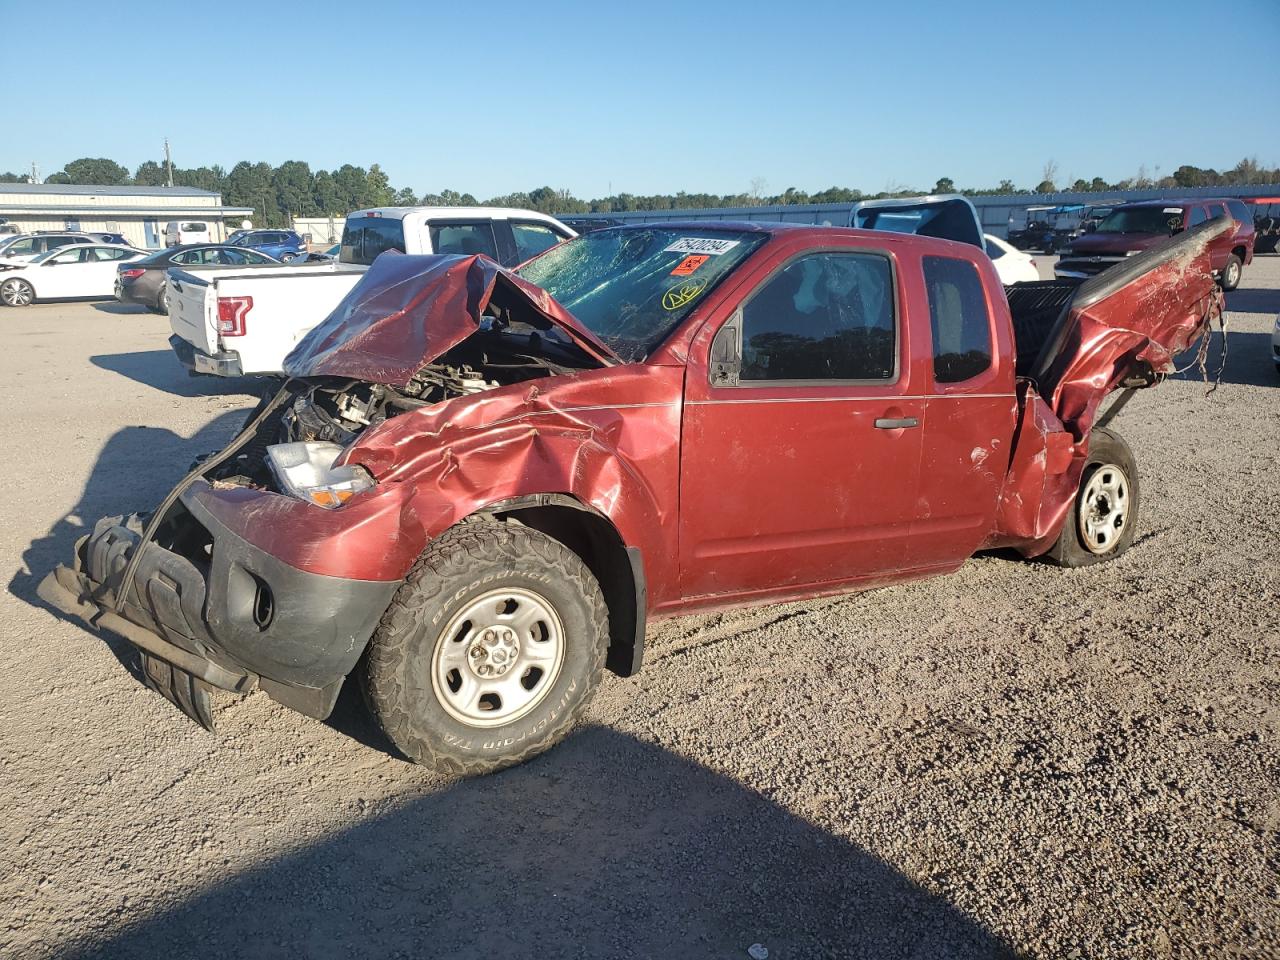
{"points": [[109, 253], [20, 247], [825, 316], [1197, 216], [959, 319], [464, 238], [532, 238], [1216, 210], [70, 256]]}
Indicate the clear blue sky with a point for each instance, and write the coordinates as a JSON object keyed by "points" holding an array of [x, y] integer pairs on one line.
{"points": [[493, 97]]}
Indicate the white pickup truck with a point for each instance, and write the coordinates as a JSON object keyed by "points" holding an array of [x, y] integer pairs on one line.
{"points": [[240, 321]]}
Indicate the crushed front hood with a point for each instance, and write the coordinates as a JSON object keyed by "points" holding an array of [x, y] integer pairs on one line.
{"points": [[407, 311]]}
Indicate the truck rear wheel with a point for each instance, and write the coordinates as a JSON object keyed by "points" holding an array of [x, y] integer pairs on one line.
{"points": [[489, 651], [1104, 517]]}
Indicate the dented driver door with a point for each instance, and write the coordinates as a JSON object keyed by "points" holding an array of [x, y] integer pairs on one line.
{"points": [[800, 449]]}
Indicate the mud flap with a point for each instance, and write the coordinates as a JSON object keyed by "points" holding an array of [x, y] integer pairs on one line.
{"points": [[189, 694]]}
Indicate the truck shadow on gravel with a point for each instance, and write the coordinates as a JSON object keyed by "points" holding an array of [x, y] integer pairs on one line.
{"points": [[161, 370], [606, 847], [1248, 360], [136, 467], [1254, 300]]}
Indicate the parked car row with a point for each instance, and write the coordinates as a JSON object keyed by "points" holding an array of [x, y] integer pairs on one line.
{"points": [[1134, 227]]}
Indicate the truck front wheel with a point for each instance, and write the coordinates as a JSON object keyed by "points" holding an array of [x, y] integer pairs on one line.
{"points": [[1104, 517], [489, 651]]}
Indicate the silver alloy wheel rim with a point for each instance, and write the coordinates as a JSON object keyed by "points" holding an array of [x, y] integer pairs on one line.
{"points": [[1104, 508], [1233, 273], [16, 293], [497, 658]]}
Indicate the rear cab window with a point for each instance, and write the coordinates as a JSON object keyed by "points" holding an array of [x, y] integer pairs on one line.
{"points": [[364, 238], [958, 319]]}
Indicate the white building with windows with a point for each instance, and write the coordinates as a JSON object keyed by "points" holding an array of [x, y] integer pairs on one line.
{"points": [[139, 213]]}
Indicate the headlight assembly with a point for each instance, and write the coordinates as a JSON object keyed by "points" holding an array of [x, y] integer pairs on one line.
{"points": [[307, 471]]}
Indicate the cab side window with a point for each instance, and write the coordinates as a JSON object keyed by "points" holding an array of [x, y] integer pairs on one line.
{"points": [[532, 238], [958, 318], [825, 316], [1198, 216], [464, 238]]}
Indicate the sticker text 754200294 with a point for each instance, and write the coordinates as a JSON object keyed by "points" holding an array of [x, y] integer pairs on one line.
{"points": [[712, 246]]}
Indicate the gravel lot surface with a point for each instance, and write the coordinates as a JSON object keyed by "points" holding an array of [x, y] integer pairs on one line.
{"points": [[1015, 760]]}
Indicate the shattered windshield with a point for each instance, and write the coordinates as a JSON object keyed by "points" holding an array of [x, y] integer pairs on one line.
{"points": [[1142, 220], [632, 287]]}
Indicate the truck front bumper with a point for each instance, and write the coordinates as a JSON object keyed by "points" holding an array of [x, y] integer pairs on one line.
{"points": [[223, 364], [212, 610]]}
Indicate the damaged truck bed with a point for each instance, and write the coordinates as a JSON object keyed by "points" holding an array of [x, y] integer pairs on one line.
{"points": [[477, 485]]}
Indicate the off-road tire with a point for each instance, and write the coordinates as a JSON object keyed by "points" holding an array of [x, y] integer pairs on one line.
{"points": [[1232, 268], [1105, 447], [460, 565]]}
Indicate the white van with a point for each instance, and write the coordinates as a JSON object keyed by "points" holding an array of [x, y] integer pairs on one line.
{"points": [[178, 232]]}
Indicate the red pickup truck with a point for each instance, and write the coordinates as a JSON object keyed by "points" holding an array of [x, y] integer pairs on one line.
{"points": [[478, 484]]}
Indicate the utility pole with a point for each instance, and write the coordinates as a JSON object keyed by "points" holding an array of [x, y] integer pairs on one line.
{"points": [[168, 163]]}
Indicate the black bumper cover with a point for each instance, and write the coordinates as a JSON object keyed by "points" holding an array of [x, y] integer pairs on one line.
{"points": [[228, 614]]}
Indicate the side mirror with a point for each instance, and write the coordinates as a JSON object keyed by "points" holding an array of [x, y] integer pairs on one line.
{"points": [[725, 354]]}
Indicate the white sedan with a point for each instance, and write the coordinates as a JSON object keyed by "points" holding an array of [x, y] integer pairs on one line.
{"points": [[1012, 264], [84, 270]]}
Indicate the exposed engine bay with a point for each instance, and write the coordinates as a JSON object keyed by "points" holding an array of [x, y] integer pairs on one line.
{"points": [[337, 410]]}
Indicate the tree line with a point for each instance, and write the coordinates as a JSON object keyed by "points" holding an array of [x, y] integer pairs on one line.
{"points": [[293, 189]]}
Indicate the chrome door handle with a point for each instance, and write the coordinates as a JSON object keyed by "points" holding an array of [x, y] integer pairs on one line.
{"points": [[896, 423]]}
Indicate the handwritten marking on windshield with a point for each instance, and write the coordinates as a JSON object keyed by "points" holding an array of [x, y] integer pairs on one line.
{"points": [[681, 294]]}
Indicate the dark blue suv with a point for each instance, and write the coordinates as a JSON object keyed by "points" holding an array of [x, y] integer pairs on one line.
{"points": [[282, 244]]}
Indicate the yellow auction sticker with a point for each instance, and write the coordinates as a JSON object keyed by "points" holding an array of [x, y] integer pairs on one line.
{"points": [[677, 296]]}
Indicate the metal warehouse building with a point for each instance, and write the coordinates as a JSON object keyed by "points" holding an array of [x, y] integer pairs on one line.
{"points": [[140, 213]]}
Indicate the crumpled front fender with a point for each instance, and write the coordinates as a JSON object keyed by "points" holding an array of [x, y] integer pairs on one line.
{"points": [[561, 435]]}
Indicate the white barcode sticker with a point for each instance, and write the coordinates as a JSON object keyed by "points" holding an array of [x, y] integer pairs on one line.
{"points": [[706, 245]]}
